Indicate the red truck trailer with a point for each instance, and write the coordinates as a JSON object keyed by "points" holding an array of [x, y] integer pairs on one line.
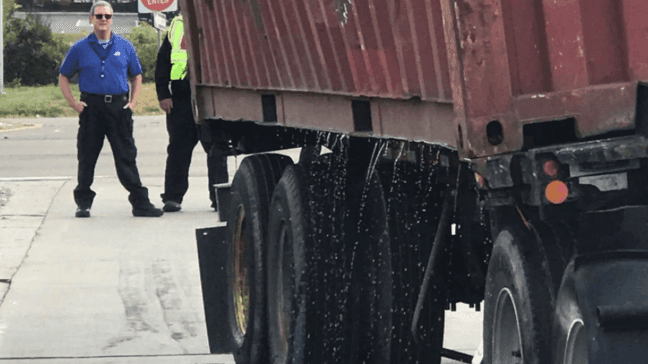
{"points": [[475, 151]]}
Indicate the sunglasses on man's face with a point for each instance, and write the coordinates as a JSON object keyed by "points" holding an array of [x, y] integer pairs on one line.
{"points": [[100, 16]]}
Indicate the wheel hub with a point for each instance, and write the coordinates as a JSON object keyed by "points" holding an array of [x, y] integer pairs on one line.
{"points": [[507, 339], [241, 288]]}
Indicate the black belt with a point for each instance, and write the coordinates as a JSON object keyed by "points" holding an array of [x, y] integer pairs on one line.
{"points": [[106, 98]]}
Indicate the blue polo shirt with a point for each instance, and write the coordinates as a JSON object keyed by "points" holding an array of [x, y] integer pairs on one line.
{"points": [[102, 70]]}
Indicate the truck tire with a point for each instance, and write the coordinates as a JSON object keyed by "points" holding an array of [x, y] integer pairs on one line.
{"points": [[569, 332], [307, 308], [247, 224], [294, 305], [324, 309], [414, 206], [518, 301], [601, 314], [371, 278], [327, 190]]}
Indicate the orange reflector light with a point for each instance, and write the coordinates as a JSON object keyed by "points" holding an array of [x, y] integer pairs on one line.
{"points": [[556, 192], [550, 168]]}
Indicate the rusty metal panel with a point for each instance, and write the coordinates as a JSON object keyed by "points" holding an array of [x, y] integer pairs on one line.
{"points": [[204, 104], [515, 62], [634, 14], [414, 120], [504, 62], [381, 48], [233, 104], [317, 112]]}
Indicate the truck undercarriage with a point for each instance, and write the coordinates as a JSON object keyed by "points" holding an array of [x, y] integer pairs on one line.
{"points": [[352, 255]]}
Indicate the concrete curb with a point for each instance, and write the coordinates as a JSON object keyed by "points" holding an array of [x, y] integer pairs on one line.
{"points": [[31, 127]]}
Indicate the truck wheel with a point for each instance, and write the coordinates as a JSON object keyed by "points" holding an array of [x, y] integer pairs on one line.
{"points": [[313, 317], [371, 274], [518, 301], [569, 333], [247, 224], [293, 303]]}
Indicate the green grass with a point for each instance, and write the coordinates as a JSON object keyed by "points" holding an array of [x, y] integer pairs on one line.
{"points": [[48, 101]]}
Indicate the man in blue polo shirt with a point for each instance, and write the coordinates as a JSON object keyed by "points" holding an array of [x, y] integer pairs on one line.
{"points": [[104, 62]]}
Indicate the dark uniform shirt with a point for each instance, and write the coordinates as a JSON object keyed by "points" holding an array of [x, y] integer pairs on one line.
{"points": [[102, 70], [179, 88]]}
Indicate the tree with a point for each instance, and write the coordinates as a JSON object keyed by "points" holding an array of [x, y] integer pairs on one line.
{"points": [[145, 40], [8, 8], [31, 55]]}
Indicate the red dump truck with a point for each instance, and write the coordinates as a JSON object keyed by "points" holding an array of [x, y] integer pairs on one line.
{"points": [[476, 151]]}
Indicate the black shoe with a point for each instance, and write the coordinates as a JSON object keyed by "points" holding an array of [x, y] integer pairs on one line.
{"points": [[82, 212], [171, 206], [147, 211]]}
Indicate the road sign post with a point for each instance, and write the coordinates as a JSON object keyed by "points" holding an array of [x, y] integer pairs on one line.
{"points": [[157, 7], [160, 23], [1, 52]]}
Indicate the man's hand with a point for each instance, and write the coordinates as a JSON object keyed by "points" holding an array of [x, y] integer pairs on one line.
{"points": [[166, 105], [78, 106], [131, 105]]}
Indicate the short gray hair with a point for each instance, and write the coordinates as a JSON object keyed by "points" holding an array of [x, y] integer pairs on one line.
{"points": [[100, 3]]}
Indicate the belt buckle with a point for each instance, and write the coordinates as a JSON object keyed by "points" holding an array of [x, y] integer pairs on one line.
{"points": [[107, 99]]}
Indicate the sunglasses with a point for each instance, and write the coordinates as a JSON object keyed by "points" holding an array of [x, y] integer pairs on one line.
{"points": [[101, 16]]}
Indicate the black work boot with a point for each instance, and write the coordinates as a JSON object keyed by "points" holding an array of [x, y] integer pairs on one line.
{"points": [[172, 206], [147, 210], [82, 212]]}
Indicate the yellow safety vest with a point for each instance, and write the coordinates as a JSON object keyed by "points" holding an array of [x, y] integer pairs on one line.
{"points": [[178, 49]]}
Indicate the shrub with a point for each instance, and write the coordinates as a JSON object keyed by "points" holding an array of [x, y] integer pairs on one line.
{"points": [[57, 48], [145, 39], [31, 54], [8, 8]]}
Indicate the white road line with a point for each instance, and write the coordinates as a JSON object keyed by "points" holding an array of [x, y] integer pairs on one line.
{"points": [[56, 178]]}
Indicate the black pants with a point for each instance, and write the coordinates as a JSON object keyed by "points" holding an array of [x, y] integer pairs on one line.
{"points": [[184, 134], [97, 121]]}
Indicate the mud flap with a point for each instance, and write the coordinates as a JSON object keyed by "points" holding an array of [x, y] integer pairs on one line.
{"points": [[213, 277]]}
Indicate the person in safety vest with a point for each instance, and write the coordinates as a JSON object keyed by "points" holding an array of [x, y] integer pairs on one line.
{"points": [[184, 134]]}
